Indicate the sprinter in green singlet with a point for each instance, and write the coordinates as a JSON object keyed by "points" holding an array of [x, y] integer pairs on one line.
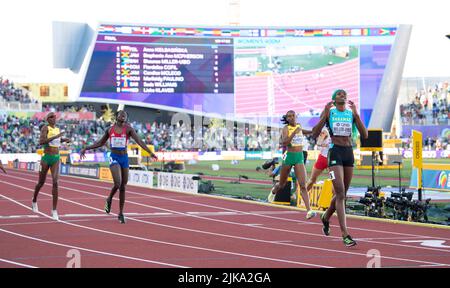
{"points": [[50, 139], [292, 138]]}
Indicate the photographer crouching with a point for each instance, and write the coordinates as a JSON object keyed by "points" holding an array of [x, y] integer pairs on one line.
{"points": [[272, 169]]}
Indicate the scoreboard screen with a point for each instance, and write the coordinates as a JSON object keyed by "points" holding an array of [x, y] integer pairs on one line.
{"points": [[237, 72]]}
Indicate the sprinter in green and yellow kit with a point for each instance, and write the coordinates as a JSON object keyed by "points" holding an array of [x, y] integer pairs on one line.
{"points": [[50, 139], [292, 139], [342, 123]]}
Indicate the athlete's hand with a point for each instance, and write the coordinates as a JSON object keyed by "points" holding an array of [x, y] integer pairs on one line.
{"points": [[327, 108], [82, 152], [3, 169], [353, 107]]}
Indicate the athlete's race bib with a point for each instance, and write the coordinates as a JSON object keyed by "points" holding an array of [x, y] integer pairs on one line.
{"points": [[342, 129], [118, 142], [55, 142], [297, 140]]}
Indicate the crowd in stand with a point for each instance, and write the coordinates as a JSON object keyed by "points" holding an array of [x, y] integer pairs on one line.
{"points": [[21, 135], [68, 108], [431, 107], [10, 93], [429, 143]]}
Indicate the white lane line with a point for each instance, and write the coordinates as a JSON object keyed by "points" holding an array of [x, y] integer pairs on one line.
{"points": [[231, 236], [248, 213], [157, 241], [17, 263]]}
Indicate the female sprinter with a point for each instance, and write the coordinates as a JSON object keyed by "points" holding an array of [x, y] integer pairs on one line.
{"points": [[292, 137], [51, 139], [340, 122], [118, 135]]}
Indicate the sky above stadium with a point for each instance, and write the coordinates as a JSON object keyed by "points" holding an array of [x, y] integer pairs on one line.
{"points": [[26, 31]]}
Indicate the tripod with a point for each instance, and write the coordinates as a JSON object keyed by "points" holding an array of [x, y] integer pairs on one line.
{"points": [[374, 188], [399, 176]]}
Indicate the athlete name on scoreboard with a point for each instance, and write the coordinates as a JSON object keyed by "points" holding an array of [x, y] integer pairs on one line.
{"points": [[161, 67]]}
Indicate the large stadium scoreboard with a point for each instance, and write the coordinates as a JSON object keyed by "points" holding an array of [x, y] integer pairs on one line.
{"points": [[236, 71]]}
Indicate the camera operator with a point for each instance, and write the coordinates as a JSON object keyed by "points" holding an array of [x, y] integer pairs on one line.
{"points": [[272, 170]]}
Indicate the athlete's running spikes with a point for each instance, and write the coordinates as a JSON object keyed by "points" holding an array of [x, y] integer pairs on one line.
{"points": [[310, 214], [34, 206], [271, 197], [55, 215], [326, 225], [121, 218], [108, 206], [348, 241]]}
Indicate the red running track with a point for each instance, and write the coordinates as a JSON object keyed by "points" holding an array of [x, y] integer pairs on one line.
{"points": [[168, 229]]}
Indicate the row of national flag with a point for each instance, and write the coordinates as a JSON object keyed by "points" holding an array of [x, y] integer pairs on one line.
{"points": [[232, 32]]}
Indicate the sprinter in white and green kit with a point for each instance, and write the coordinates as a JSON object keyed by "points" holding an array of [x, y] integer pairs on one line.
{"points": [[50, 139], [341, 122], [292, 139]]}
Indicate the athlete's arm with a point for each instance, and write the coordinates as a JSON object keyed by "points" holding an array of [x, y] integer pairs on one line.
{"points": [[97, 144], [323, 119], [43, 137], [67, 140], [359, 124], [141, 143], [306, 132], [285, 139]]}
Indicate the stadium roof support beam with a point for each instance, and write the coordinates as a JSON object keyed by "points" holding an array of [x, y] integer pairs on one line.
{"points": [[384, 108], [70, 44]]}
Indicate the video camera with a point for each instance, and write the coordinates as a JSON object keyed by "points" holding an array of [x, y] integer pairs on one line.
{"points": [[407, 209], [419, 210], [204, 186], [270, 163], [407, 195], [374, 204]]}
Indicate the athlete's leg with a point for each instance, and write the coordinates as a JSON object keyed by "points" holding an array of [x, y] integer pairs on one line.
{"points": [[122, 187], [300, 174], [116, 175], [41, 181], [348, 175], [339, 197], [55, 176], [313, 179]]}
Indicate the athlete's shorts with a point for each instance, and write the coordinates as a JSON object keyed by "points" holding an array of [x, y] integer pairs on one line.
{"points": [[321, 163], [341, 156], [116, 159], [50, 159], [293, 158]]}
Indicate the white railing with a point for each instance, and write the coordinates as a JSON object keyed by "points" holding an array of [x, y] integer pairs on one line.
{"points": [[18, 106]]}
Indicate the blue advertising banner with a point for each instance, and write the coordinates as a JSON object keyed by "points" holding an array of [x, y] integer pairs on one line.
{"points": [[84, 171], [64, 169], [435, 177]]}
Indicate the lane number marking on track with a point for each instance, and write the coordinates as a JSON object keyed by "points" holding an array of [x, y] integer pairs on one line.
{"points": [[429, 243]]}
